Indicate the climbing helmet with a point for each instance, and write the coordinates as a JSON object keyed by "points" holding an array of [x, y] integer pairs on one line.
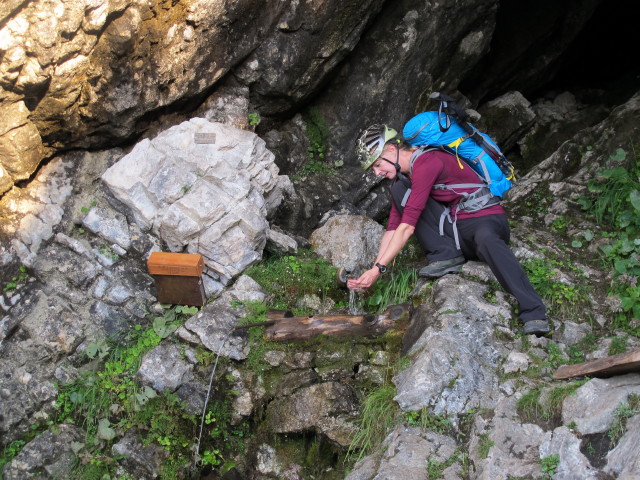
{"points": [[371, 143]]}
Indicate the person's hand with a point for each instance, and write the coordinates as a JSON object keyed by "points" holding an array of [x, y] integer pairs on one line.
{"points": [[367, 279]]}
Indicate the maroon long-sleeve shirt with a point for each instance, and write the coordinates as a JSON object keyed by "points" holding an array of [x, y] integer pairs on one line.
{"points": [[433, 168]]}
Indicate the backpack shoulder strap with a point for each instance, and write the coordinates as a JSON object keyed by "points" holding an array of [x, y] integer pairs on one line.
{"points": [[424, 149]]}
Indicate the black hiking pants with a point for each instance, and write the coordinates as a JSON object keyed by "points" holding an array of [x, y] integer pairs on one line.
{"points": [[483, 238]]}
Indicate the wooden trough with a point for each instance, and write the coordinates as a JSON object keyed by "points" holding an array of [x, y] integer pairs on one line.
{"points": [[286, 327]]}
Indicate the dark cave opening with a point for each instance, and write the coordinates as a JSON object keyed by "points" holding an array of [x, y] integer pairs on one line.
{"points": [[588, 47], [603, 56]]}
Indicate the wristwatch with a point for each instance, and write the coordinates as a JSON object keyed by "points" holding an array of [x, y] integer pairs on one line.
{"points": [[382, 268]]}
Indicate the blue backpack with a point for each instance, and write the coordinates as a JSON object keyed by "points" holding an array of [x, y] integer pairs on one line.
{"points": [[449, 130]]}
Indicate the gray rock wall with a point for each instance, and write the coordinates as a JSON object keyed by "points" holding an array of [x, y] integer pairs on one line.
{"points": [[90, 74]]}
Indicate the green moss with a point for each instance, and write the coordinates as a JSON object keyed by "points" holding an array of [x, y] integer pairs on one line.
{"points": [[533, 410], [618, 345], [484, 445], [289, 278], [428, 420], [529, 407], [623, 412]]}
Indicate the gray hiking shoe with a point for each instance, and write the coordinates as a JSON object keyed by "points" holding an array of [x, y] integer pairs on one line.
{"points": [[536, 327], [442, 267]]}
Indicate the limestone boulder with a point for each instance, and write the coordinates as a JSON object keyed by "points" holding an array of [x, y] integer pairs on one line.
{"points": [[506, 118], [513, 446], [623, 460], [349, 241], [455, 360], [164, 369], [404, 454], [202, 187], [325, 408], [141, 460], [572, 463], [49, 455], [593, 406]]}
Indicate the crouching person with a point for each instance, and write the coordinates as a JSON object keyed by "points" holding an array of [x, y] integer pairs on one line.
{"points": [[436, 197]]}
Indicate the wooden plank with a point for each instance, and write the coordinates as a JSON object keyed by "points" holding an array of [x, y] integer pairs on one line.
{"points": [[603, 367], [177, 264], [295, 328]]}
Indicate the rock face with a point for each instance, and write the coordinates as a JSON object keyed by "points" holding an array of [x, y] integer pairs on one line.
{"points": [[104, 65], [202, 187], [404, 454], [79, 76], [49, 456], [87, 74], [324, 407], [455, 360], [467, 367]]}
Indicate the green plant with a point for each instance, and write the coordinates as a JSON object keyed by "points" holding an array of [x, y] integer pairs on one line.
{"points": [[484, 445], [84, 209], [549, 465], [17, 280], [529, 407], [211, 457], [532, 409], [10, 451], [562, 298], [108, 252], [391, 289], [97, 349], [555, 397], [614, 201], [289, 278], [378, 414], [254, 118], [623, 412], [255, 312], [618, 345], [317, 132], [587, 235], [559, 225], [556, 357], [106, 401], [315, 167], [427, 420], [538, 201], [436, 468], [112, 391]]}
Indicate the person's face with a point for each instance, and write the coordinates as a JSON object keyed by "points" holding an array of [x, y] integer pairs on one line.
{"points": [[384, 166]]}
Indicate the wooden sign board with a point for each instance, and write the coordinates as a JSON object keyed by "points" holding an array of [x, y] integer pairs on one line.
{"points": [[604, 367], [177, 264], [178, 278]]}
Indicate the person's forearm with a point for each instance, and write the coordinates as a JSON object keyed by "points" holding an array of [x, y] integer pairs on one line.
{"points": [[392, 242], [384, 243]]}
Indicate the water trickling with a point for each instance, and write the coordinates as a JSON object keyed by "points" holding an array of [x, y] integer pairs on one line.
{"points": [[354, 302]]}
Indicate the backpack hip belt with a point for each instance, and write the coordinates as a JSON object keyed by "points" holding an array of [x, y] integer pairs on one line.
{"points": [[475, 201]]}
